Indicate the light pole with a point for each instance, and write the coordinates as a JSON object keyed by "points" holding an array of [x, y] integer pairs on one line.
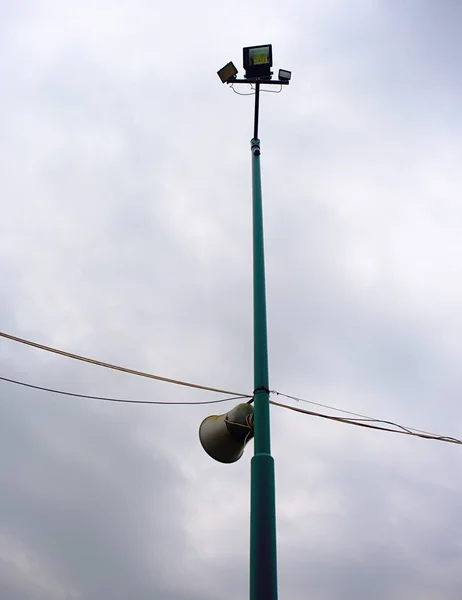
{"points": [[232, 431]]}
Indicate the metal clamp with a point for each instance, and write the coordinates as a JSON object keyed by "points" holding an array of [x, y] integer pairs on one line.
{"points": [[255, 147]]}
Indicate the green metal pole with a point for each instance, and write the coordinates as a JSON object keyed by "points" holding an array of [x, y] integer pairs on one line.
{"points": [[263, 566]]}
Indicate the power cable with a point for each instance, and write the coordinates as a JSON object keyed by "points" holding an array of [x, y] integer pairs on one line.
{"points": [[359, 423], [100, 363], [242, 93], [106, 399], [272, 91], [253, 92], [297, 399], [346, 412]]}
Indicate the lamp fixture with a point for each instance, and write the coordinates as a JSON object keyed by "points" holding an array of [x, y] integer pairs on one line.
{"points": [[227, 73], [258, 61]]}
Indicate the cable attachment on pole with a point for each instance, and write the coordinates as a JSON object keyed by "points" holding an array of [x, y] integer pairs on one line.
{"points": [[255, 147], [261, 389], [256, 391]]}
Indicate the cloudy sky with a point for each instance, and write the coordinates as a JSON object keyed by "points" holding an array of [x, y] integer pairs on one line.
{"points": [[125, 235]]}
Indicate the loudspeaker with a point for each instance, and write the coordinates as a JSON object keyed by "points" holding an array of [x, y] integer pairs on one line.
{"points": [[224, 437]]}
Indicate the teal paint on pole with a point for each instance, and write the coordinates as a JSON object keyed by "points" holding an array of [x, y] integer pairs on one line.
{"points": [[263, 556]]}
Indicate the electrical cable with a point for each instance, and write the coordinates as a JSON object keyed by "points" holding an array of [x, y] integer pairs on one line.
{"points": [[106, 399], [100, 363], [297, 399], [346, 412], [359, 423], [253, 92], [272, 91], [241, 93]]}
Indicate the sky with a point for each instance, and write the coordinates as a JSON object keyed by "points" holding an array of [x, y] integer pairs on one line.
{"points": [[125, 235]]}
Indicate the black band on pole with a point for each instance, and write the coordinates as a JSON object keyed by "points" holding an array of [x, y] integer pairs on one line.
{"points": [[261, 389], [256, 391]]}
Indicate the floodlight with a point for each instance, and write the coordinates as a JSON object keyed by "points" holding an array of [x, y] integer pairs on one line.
{"points": [[258, 61], [228, 72], [284, 75]]}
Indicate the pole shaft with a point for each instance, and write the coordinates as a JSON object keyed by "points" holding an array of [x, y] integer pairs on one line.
{"points": [[257, 111], [263, 566]]}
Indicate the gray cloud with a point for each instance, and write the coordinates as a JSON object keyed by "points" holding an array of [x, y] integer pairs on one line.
{"points": [[125, 235]]}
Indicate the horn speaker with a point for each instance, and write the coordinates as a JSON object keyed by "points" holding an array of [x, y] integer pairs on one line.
{"points": [[224, 437]]}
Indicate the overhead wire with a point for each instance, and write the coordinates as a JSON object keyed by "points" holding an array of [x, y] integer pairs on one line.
{"points": [[106, 365], [121, 400], [346, 412], [367, 423], [361, 423], [360, 420], [298, 399]]}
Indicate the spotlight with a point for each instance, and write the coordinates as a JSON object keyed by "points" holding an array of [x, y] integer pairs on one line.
{"points": [[228, 72], [284, 75], [258, 61]]}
